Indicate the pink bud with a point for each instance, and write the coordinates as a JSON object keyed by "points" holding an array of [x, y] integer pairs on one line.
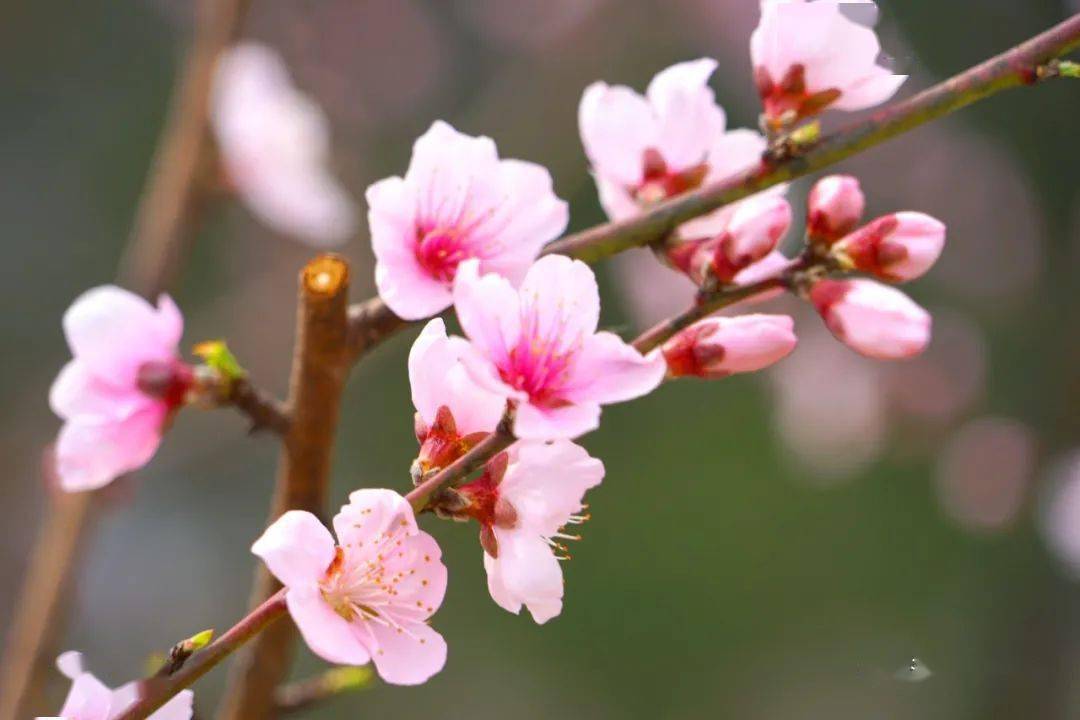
{"points": [[751, 234], [720, 346], [872, 319], [897, 247], [834, 208]]}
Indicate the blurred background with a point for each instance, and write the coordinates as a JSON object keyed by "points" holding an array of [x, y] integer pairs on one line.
{"points": [[778, 546]]}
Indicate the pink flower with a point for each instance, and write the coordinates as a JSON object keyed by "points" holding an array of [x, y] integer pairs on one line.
{"points": [[120, 389], [720, 346], [452, 411], [834, 208], [809, 56], [647, 149], [369, 598], [897, 247], [745, 237], [90, 699], [538, 347], [457, 201], [275, 146], [522, 501], [873, 319]]}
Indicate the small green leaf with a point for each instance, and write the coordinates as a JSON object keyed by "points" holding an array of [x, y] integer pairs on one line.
{"points": [[1069, 69], [347, 678], [217, 356]]}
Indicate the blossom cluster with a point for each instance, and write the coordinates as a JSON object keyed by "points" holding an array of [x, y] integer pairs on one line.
{"points": [[466, 228]]}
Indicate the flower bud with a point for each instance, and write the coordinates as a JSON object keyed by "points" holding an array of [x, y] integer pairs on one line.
{"points": [[720, 346], [872, 319], [897, 247], [834, 208], [751, 234]]}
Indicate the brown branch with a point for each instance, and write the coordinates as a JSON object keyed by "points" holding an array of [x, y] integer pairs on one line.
{"points": [[373, 322], [265, 411], [151, 262], [304, 694], [320, 368], [158, 690]]}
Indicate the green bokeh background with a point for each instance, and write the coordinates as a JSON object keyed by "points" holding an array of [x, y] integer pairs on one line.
{"points": [[713, 581]]}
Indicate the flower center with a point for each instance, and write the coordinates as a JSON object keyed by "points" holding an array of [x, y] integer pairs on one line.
{"points": [[787, 101], [363, 588], [539, 368], [167, 381], [439, 251], [660, 182]]}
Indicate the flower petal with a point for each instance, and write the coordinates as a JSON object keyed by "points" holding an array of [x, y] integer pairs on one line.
{"points": [[546, 482], [77, 392], [487, 308], [371, 515], [609, 370], [408, 657], [617, 126], [329, 635], [689, 118], [527, 572], [88, 699], [568, 421], [560, 301], [296, 548], [90, 455]]}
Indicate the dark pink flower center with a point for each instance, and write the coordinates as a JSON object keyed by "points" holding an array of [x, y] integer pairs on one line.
{"points": [[539, 368], [167, 381], [439, 252], [659, 182]]}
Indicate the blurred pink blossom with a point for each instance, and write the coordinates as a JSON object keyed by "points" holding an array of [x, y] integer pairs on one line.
{"points": [[90, 699], [522, 502], [457, 201], [809, 56], [1059, 511], [873, 319], [539, 348], [528, 24], [984, 472], [898, 247], [275, 146], [721, 346], [119, 390], [369, 598]]}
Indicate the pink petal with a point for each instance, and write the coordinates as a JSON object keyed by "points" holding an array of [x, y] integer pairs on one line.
{"points": [[875, 320], [526, 572], [614, 198], [878, 86], [180, 707], [423, 578], [329, 635], [546, 482], [487, 308], [296, 548], [88, 699], [608, 370], [441, 172], [409, 657], [567, 421], [617, 126], [409, 291], [560, 300], [689, 118], [77, 392], [70, 664], [114, 331], [89, 455], [372, 512]]}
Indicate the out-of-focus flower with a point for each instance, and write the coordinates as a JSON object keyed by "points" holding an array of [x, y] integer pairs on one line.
{"points": [[538, 347], [530, 25], [873, 319], [984, 472], [897, 247], [522, 501], [368, 598], [809, 56], [118, 392], [275, 146], [721, 346], [1059, 511], [647, 149], [834, 208], [90, 699], [748, 235], [452, 411], [457, 201]]}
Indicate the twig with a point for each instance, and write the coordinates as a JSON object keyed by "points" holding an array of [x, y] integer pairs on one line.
{"points": [[320, 368], [264, 411], [151, 262], [373, 322], [157, 691]]}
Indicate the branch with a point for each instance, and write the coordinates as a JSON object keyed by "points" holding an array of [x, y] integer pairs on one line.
{"points": [[265, 411], [372, 322], [465, 465], [333, 683], [320, 368], [151, 261], [157, 691]]}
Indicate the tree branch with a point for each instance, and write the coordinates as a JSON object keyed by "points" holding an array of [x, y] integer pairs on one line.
{"points": [[157, 691], [320, 368], [333, 683], [265, 411], [150, 263], [372, 322]]}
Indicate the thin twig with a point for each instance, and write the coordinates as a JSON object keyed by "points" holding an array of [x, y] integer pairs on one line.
{"points": [[331, 684], [320, 368], [150, 263], [157, 691], [372, 322], [265, 411]]}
